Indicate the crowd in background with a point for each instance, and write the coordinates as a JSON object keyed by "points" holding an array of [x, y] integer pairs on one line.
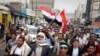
{"points": [[76, 41]]}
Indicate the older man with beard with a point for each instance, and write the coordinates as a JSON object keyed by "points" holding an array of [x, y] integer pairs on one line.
{"points": [[40, 48]]}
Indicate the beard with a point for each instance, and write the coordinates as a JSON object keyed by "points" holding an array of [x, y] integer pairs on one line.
{"points": [[39, 41], [19, 45]]}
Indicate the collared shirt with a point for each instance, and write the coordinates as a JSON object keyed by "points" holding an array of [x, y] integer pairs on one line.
{"points": [[38, 51], [75, 52], [18, 51], [82, 41], [87, 35]]}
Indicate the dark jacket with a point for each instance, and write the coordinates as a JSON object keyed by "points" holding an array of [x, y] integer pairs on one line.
{"points": [[71, 51], [45, 50]]}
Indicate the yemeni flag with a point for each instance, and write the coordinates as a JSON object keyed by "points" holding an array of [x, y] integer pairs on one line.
{"points": [[61, 20], [47, 14]]}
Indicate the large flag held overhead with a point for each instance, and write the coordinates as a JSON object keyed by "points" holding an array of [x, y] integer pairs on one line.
{"points": [[47, 14], [62, 21]]}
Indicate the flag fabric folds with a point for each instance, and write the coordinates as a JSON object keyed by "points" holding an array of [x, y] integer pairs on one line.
{"points": [[47, 14], [61, 18]]}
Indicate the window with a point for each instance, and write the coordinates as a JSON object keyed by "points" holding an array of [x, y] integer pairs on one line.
{"points": [[96, 5], [94, 13]]}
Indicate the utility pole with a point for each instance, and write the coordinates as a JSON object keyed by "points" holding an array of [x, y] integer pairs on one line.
{"points": [[26, 4], [32, 5], [36, 8], [32, 10], [88, 10]]}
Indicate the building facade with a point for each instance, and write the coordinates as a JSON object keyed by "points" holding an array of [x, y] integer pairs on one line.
{"points": [[35, 4], [26, 9], [16, 9], [95, 9], [80, 13], [95, 13], [5, 15]]}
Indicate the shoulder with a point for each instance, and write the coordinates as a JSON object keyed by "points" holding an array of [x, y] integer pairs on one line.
{"points": [[70, 47], [80, 49], [98, 54], [10, 40]]}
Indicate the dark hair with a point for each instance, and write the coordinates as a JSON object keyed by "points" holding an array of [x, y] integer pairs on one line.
{"points": [[81, 33], [14, 34], [22, 37], [75, 40], [90, 45]]}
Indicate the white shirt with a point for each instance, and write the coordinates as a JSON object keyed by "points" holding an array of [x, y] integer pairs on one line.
{"points": [[18, 51], [56, 46], [38, 50], [75, 52], [87, 35], [82, 41]]}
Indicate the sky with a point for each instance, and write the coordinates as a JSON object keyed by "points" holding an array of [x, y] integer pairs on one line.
{"points": [[68, 5], [6, 1]]}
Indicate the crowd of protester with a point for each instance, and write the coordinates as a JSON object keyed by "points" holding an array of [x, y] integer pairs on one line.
{"points": [[76, 41]]}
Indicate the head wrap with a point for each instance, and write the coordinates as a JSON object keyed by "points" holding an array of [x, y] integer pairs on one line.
{"points": [[63, 46], [41, 42]]}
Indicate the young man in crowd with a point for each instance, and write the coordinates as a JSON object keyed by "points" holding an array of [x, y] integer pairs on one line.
{"points": [[82, 39], [92, 40], [90, 51], [63, 50], [59, 38], [47, 37], [21, 49], [75, 50], [10, 43]]}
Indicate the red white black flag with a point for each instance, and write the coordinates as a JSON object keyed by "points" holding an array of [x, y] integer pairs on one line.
{"points": [[62, 18], [47, 14]]}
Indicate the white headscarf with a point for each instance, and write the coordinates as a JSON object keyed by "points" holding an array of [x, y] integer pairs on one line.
{"points": [[43, 41]]}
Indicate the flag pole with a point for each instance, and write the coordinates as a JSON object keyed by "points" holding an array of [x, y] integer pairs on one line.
{"points": [[51, 22]]}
